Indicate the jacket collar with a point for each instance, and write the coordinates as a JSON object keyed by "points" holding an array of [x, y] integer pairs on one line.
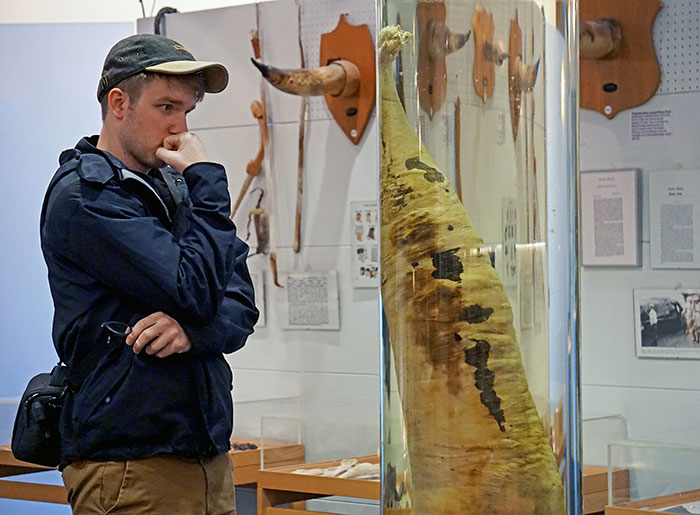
{"points": [[90, 166], [91, 161]]}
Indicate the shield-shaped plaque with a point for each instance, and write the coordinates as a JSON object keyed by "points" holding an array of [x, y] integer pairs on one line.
{"points": [[351, 43], [631, 76]]}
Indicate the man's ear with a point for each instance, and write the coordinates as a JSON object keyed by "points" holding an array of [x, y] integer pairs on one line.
{"points": [[118, 102]]}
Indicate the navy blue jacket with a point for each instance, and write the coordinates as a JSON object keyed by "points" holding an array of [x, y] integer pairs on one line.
{"points": [[115, 252]]}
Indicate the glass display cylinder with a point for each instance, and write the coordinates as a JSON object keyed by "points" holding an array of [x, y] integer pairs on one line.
{"points": [[478, 115]]}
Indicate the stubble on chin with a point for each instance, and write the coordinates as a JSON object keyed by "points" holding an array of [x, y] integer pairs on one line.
{"points": [[146, 159]]}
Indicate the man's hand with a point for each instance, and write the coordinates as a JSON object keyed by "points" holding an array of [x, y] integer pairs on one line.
{"points": [[160, 335], [181, 150]]}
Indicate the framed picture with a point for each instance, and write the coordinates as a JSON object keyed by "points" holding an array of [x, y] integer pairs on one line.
{"points": [[610, 218], [674, 231], [667, 323], [365, 244]]}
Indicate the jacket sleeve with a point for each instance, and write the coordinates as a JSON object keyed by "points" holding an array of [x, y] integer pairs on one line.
{"points": [[104, 230], [235, 318]]}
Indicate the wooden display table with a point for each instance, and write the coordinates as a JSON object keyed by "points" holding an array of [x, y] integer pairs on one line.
{"points": [[595, 488], [646, 506], [281, 486], [246, 464]]}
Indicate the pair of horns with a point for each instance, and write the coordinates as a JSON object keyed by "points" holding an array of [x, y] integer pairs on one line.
{"points": [[339, 79]]}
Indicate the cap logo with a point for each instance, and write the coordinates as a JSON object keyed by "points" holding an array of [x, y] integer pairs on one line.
{"points": [[179, 47]]}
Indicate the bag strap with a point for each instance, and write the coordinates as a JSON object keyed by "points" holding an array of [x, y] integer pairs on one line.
{"points": [[172, 187]]}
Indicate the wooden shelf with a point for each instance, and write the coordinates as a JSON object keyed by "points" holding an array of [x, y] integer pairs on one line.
{"points": [[646, 506], [595, 488], [246, 465], [280, 485]]}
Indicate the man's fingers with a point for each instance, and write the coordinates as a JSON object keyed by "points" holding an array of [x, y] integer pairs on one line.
{"points": [[179, 347], [173, 141], [165, 154], [146, 337], [167, 337], [139, 327], [182, 150], [156, 344], [160, 335]]}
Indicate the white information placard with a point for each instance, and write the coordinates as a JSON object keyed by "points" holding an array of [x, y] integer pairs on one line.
{"points": [[674, 218], [365, 244], [609, 218], [309, 301]]}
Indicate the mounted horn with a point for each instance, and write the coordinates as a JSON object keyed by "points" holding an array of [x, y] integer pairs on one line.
{"points": [[442, 40], [435, 41], [619, 68], [600, 38], [346, 78], [495, 53], [525, 74], [338, 79]]}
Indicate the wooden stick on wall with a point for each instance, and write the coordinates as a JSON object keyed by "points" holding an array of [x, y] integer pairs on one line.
{"points": [[300, 161]]}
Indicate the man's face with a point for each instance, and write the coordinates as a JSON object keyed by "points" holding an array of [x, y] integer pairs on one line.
{"points": [[160, 111]]}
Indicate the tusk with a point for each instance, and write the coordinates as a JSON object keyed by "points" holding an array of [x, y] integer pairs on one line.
{"points": [[340, 78], [443, 41], [600, 39], [525, 75]]}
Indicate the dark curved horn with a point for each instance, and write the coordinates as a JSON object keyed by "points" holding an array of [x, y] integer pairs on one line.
{"points": [[340, 78]]}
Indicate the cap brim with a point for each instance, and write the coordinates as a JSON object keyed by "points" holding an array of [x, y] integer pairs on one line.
{"points": [[215, 74]]}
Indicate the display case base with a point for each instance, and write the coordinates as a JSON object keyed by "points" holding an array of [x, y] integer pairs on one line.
{"points": [[595, 488], [280, 485], [653, 504]]}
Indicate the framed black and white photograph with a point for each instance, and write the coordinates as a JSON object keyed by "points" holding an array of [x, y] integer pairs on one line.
{"points": [[667, 323], [610, 224]]}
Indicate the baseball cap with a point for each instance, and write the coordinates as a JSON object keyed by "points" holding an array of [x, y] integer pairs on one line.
{"points": [[153, 53]]}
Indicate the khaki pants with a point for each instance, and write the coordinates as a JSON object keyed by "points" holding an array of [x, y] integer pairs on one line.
{"points": [[160, 484]]}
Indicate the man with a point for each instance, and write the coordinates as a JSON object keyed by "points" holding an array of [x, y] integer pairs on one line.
{"points": [[653, 327], [146, 425]]}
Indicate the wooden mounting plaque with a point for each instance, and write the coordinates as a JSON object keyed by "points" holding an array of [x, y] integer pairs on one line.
{"points": [[632, 75], [432, 70], [515, 48], [484, 70], [352, 43]]}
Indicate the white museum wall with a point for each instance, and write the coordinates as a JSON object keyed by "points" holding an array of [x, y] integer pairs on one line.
{"points": [[48, 103], [656, 396]]}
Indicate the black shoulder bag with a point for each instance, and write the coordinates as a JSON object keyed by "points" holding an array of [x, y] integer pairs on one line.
{"points": [[35, 435]]}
